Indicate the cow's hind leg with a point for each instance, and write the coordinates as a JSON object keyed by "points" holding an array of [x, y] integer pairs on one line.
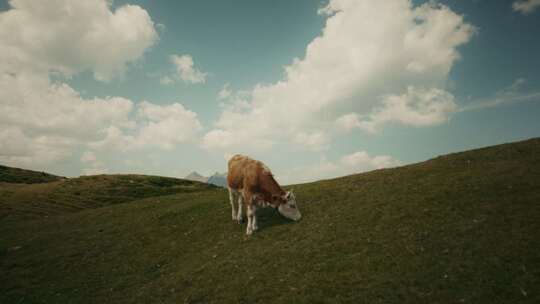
{"points": [[239, 216], [232, 194], [254, 225], [249, 212]]}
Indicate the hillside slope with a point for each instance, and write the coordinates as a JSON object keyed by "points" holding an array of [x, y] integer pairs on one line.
{"points": [[23, 201], [16, 175], [461, 228]]}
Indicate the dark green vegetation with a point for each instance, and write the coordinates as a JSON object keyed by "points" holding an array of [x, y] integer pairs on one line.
{"points": [[16, 175], [461, 228], [19, 201]]}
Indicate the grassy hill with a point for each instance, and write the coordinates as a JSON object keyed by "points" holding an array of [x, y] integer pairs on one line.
{"points": [[16, 175], [461, 228], [18, 201]]}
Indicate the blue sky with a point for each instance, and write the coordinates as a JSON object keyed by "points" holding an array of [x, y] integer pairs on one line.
{"points": [[315, 89]]}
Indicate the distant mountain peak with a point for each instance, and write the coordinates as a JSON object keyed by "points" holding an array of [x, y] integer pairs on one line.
{"points": [[218, 179], [195, 176]]}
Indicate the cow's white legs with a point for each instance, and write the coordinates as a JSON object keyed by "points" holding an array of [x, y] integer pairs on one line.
{"points": [[232, 194], [239, 216], [250, 212], [254, 225]]}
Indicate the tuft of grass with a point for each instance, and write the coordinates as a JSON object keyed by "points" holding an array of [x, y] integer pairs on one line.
{"points": [[461, 228]]}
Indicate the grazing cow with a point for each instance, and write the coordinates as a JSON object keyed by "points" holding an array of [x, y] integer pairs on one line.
{"points": [[250, 181]]}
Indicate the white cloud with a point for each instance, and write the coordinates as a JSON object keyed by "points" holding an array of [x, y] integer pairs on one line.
{"points": [[526, 6], [225, 92], [222, 139], [185, 71], [314, 141], [38, 106], [73, 36], [161, 126], [166, 126], [361, 161], [43, 121], [53, 119], [416, 107], [347, 122], [88, 157], [367, 49], [218, 139], [234, 101], [112, 138], [95, 166], [21, 150], [356, 162]]}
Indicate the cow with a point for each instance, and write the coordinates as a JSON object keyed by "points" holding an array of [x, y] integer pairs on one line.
{"points": [[252, 183]]}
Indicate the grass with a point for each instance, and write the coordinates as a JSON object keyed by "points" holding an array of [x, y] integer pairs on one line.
{"points": [[461, 228], [16, 175], [87, 192]]}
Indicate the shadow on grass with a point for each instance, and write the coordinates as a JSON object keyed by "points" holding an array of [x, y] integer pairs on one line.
{"points": [[269, 217]]}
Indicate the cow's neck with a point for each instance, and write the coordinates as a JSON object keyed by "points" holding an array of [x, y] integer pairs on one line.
{"points": [[270, 188]]}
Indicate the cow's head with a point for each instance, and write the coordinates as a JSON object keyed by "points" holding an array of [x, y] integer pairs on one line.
{"points": [[289, 208]]}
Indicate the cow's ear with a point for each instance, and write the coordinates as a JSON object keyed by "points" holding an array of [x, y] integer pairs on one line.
{"points": [[287, 195]]}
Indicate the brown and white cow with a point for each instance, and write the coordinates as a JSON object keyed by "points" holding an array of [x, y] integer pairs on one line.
{"points": [[252, 182]]}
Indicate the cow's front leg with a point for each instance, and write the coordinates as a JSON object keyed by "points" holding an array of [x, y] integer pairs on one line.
{"points": [[232, 194]]}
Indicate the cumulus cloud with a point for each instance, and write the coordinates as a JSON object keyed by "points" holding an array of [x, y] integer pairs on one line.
{"points": [[88, 157], [367, 49], [73, 36], [314, 141], [223, 139], [95, 166], [22, 150], [52, 118], [361, 161], [353, 163], [225, 92], [526, 6], [166, 126], [185, 71], [161, 126], [233, 101], [416, 107], [347, 122], [43, 121], [35, 104]]}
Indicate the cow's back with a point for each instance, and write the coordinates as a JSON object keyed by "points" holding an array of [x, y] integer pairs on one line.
{"points": [[242, 171]]}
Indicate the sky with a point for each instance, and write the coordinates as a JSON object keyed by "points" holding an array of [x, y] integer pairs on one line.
{"points": [[314, 89]]}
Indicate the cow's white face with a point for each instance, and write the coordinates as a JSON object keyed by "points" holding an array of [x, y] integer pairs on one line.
{"points": [[289, 209]]}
